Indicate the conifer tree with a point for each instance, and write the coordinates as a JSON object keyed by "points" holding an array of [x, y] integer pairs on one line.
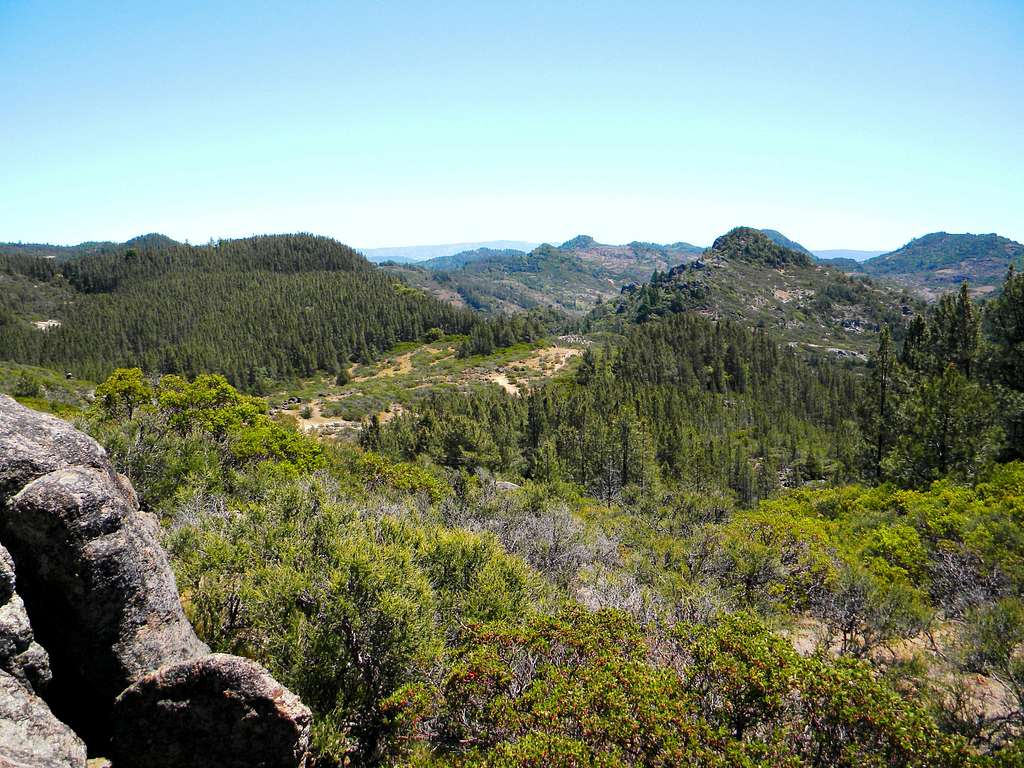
{"points": [[881, 402], [947, 427]]}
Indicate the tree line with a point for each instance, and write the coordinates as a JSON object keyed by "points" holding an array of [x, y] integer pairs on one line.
{"points": [[950, 400]]}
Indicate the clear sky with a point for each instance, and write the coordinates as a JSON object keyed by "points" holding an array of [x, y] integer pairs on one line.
{"points": [[842, 124]]}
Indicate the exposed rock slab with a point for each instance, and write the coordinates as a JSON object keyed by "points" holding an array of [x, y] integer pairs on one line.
{"points": [[217, 710], [108, 608], [33, 444], [30, 736]]}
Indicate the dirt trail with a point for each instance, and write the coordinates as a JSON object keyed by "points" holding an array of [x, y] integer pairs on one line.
{"points": [[317, 422], [513, 377]]}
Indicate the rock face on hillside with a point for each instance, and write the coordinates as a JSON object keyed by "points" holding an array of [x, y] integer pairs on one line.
{"points": [[258, 724], [83, 575], [96, 564]]}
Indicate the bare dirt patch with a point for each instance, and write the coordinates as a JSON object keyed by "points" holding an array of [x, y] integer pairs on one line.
{"points": [[552, 359], [985, 695], [317, 422], [547, 362], [387, 415], [398, 366], [501, 379]]}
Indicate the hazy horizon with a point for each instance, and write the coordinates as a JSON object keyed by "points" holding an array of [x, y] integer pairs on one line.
{"points": [[451, 248]]}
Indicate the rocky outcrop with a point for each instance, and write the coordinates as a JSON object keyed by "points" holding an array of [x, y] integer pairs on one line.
{"points": [[30, 736], [97, 562], [34, 444], [20, 655], [95, 589], [218, 710]]}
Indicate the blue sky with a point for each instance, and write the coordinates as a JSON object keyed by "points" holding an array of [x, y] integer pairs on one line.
{"points": [[844, 125]]}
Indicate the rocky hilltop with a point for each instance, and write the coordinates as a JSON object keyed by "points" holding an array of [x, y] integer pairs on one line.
{"points": [[747, 277], [97, 657]]}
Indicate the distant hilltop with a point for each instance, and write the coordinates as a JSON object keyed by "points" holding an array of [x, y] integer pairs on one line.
{"points": [[940, 261], [413, 253]]}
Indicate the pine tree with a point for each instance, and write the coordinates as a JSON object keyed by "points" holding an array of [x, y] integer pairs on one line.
{"points": [[1004, 323], [947, 426], [963, 334], [881, 402]]}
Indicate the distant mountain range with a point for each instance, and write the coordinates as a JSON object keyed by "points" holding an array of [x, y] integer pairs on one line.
{"points": [[513, 275], [416, 253], [932, 264], [571, 277], [844, 253]]}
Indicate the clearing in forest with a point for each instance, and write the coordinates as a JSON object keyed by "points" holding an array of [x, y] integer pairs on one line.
{"points": [[410, 371]]}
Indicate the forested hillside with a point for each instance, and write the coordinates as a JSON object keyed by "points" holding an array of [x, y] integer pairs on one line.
{"points": [[462, 258], [780, 239], [714, 404], [747, 277], [66, 252], [257, 309], [687, 399]]}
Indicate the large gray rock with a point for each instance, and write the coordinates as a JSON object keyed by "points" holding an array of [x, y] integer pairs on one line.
{"points": [[33, 444], [95, 589], [30, 736], [107, 607], [218, 710], [20, 655]]}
